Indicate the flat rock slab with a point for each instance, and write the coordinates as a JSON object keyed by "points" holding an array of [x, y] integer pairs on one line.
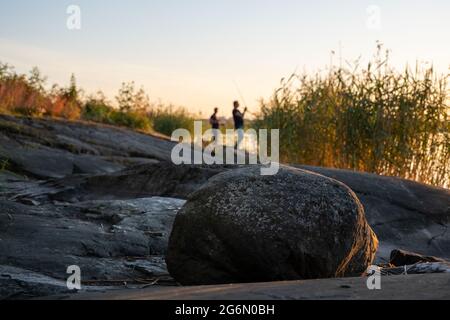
{"points": [[49, 148], [120, 240], [411, 287]]}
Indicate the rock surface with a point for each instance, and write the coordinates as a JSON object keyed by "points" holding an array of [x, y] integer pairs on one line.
{"points": [[56, 148], [111, 241], [17, 283], [404, 258], [160, 179], [410, 287], [74, 188], [244, 227]]}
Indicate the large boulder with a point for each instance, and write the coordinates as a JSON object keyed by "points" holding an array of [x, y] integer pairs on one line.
{"points": [[404, 214], [244, 227]]}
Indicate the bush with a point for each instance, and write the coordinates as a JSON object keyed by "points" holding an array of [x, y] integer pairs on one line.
{"points": [[64, 108], [97, 112], [17, 96], [26, 95], [166, 121], [133, 120]]}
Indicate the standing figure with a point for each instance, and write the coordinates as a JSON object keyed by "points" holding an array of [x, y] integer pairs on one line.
{"points": [[215, 126], [238, 118]]}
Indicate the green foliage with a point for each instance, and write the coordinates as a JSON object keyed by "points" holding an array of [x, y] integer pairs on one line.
{"points": [[374, 119], [36, 80], [125, 98], [6, 71], [167, 120], [130, 100], [131, 120], [72, 93], [99, 111]]}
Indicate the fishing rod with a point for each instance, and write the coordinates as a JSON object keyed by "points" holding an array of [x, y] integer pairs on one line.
{"points": [[242, 98]]}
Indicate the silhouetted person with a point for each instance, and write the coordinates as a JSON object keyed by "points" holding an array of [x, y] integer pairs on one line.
{"points": [[238, 118], [215, 126]]}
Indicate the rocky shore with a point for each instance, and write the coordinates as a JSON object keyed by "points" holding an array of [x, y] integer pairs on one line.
{"points": [[108, 200]]}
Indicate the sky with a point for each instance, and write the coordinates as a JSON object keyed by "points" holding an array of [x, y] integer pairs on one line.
{"points": [[197, 53]]}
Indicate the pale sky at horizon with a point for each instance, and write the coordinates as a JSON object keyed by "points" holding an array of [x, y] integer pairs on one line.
{"points": [[189, 53]]}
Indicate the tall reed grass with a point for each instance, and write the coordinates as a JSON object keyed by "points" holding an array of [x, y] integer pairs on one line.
{"points": [[372, 119]]}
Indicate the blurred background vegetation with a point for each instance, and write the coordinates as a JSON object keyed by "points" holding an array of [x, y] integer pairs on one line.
{"points": [[26, 95], [372, 118]]}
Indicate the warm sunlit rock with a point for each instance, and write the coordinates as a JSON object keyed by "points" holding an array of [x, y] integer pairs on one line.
{"points": [[243, 227]]}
